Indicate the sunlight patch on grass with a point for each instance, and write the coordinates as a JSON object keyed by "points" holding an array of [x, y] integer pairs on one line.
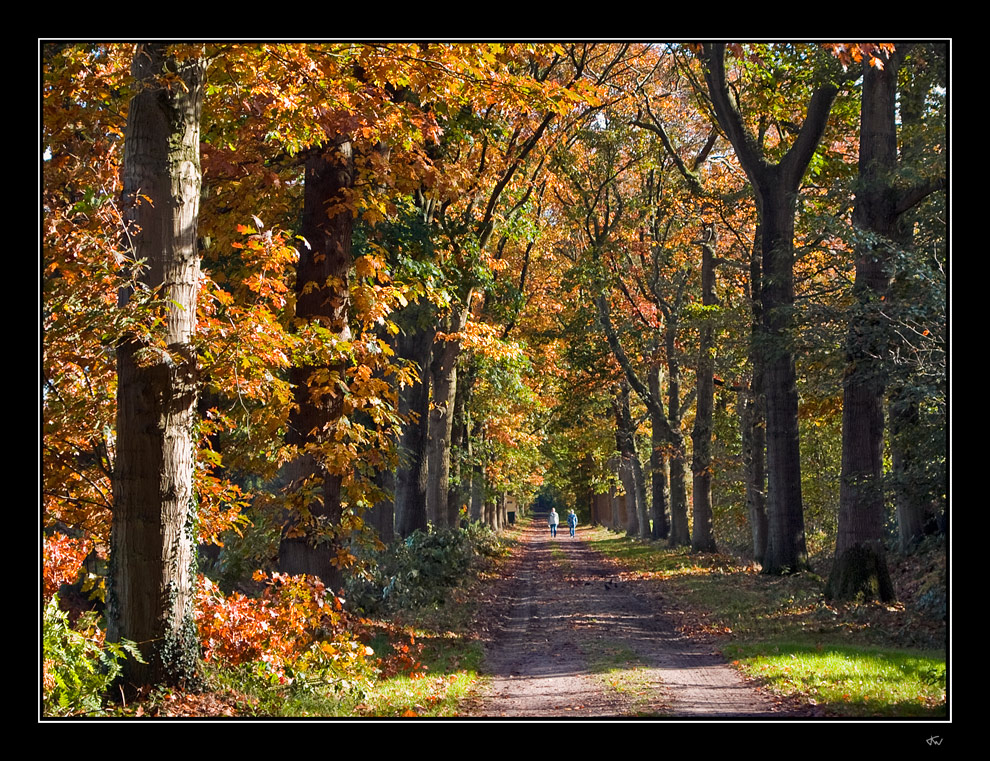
{"points": [[836, 656], [429, 695], [850, 681]]}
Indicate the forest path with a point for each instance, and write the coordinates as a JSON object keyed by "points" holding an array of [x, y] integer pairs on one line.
{"points": [[570, 639]]}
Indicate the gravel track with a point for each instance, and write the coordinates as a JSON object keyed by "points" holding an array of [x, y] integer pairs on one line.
{"points": [[571, 639]]}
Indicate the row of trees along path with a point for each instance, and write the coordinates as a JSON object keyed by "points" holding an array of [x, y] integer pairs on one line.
{"points": [[565, 615]]}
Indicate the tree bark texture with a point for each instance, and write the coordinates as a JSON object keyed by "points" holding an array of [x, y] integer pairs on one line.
{"points": [[658, 480], [751, 425], [309, 543], [680, 530], [152, 555], [414, 405], [860, 567], [477, 444], [776, 187], [912, 505], [443, 376], [459, 484], [786, 550]]}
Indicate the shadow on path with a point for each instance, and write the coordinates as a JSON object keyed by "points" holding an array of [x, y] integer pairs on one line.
{"points": [[574, 640]]}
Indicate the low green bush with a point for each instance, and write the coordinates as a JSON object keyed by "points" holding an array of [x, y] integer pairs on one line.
{"points": [[79, 667], [421, 571]]}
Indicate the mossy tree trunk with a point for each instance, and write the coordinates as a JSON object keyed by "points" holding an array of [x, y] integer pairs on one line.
{"points": [[152, 551], [859, 567]]}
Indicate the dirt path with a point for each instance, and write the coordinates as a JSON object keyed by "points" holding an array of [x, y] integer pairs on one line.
{"points": [[569, 639]]}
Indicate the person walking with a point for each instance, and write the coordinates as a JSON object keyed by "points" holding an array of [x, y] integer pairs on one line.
{"points": [[572, 521], [554, 520]]}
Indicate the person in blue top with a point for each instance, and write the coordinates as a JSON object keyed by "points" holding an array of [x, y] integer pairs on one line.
{"points": [[553, 520], [572, 521]]}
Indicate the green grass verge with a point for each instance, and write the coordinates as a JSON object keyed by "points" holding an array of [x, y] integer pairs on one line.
{"points": [[848, 681], [848, 660]]}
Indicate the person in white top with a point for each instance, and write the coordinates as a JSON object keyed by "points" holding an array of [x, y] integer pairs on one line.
{"points": [[554, 520]]}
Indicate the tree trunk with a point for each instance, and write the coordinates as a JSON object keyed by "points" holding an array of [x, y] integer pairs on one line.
{"points": [[459, 488], [703, 537], [630, 472], [443, 375], [786, 550], [658, 476], [152, 557], [753, 418], [414, 404], [860, 567], [776, 187], [309, 542], [680, 531], [381, 516], [477, 445], [753, 444], [910, 506]]}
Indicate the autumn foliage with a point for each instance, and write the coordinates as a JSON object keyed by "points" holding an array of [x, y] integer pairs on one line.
{"points": [[292, 627], [538, 212], [63, 559]]}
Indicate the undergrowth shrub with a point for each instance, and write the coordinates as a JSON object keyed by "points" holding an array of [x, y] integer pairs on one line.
{"points": [[293, 633], [421, 571], [79, 667]]}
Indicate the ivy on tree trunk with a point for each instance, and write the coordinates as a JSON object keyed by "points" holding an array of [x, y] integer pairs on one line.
{"points": [[152, 551]]}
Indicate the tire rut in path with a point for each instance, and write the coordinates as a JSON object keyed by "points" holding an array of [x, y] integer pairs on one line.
{"points": [[565, 617]]}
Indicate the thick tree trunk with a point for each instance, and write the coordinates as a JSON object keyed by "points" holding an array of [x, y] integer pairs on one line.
{"points": [[910, 506], [914, 508], [703, 535], [152, 557], [309, 544], [752, 415], [860, 566], [776, 187], [786, 550], [443, 375], [617, 510], [477, 473], [751, 425], [414, 404], [680, 529], [459, 485], [658, 476], [381, 516]]}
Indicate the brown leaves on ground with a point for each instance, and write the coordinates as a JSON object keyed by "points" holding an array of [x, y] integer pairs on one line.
{"points": [[177, 704]]}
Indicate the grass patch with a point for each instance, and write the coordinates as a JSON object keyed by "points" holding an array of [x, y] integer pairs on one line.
{"points": [[432, 695], [847, 681], [560, 558], [619, 669], [847, 659]]}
